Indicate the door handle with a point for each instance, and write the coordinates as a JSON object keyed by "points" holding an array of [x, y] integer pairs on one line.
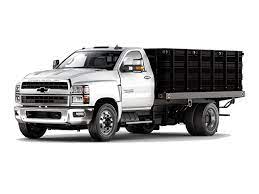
{"points": [[147, 77]]}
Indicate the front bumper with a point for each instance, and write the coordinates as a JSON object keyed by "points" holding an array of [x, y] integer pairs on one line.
{"points": [[67, 115]]}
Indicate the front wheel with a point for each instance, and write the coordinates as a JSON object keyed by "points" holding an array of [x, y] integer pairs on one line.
{"points": [[32, 131], [104, 125]]}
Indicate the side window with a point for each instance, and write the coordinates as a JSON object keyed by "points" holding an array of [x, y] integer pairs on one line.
{"points": [[133, 58]]}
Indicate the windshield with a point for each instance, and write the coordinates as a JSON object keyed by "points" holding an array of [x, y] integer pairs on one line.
{"points": [[91, 59]]}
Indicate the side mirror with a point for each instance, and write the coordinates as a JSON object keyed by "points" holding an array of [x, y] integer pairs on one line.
{"points": [[132, 68], [55, 63], [132, 65]]}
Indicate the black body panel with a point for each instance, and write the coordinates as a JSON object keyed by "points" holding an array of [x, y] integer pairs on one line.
{"points": [[190, 70]]}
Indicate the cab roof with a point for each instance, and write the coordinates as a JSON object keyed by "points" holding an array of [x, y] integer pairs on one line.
{"points": [[107, 48]]}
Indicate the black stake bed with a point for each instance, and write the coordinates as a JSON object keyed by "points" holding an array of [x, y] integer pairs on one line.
{"points": [[192, 71]]}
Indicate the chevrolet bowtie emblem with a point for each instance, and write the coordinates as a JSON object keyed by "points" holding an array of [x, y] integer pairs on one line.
{"points": [[42, 89]]}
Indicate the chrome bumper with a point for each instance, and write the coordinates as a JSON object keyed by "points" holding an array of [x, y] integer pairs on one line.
{"points": [[67, 115]]}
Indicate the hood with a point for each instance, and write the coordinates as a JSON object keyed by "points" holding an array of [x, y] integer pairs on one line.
{"points": [[75, 75], [68, 73]]}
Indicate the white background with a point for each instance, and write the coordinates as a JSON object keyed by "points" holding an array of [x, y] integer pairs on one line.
{"points": [[33, 33]]}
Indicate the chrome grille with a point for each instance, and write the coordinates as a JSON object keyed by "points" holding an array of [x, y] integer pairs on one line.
{"points": [[45, 99], [50, 85]]}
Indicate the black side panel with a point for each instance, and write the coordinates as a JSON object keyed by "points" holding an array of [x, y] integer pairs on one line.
{"points": [[185, 70]]}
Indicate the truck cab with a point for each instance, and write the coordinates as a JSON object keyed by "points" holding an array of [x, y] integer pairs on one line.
{"points": [[70, 95], [104, 88]]}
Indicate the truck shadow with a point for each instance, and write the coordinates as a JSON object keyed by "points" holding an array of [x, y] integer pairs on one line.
{"points": [[127, 137]]}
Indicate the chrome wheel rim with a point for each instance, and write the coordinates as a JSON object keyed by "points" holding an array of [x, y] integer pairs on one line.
{"points": [[210, 119], [106, 122]]}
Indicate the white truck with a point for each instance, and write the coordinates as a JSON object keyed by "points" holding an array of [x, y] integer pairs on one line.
{"points": [[104, 88]]}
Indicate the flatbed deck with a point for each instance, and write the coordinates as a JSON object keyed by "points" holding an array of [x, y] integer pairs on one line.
{"points": [[203, 95]]}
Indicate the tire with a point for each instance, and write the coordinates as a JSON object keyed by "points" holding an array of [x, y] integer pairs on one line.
{"points": [[118, 127], [142, 128], [188, 119], [32, 131], [104, 125], [205, 120]]}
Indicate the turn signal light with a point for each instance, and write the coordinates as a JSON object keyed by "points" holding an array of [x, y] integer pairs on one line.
{"points": [[139, 68], [86, 99]]}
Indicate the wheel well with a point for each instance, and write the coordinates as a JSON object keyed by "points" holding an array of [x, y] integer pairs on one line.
{"points": [[103, 101]]}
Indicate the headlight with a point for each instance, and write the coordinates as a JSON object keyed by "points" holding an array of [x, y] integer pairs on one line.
{"points": [[86, 90], [77, 90], [81, 99], [80, 94], [80, 90], [17, 88], [77, 99]]}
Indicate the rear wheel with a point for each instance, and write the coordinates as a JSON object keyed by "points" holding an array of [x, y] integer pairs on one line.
{"points": [[104, 125], [205, 120], [32, 131], [142, 128], [188, 119]]}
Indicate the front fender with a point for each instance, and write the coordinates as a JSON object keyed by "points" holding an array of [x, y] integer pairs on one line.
{"points": [[104, 89]]}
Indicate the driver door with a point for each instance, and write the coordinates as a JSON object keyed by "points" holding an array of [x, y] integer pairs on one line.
{"points": [[136, 82]]}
